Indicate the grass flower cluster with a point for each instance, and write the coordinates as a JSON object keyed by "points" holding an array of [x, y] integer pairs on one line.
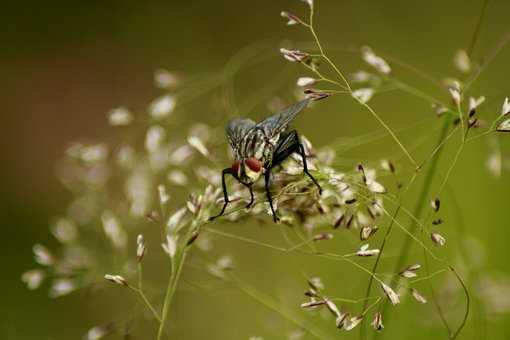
{"points": [[128, 202]]}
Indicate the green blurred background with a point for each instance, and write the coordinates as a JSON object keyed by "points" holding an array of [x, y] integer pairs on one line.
{"points": [[66, 63]]}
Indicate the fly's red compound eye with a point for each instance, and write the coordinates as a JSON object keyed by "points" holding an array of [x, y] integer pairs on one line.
{"points": [[235, 167], [254, 164]]}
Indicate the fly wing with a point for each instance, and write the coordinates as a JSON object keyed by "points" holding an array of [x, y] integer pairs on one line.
{"points": [[237, 129], [277, 123]]}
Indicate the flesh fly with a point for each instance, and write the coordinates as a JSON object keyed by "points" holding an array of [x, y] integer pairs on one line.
{"points": [[259, 147]]}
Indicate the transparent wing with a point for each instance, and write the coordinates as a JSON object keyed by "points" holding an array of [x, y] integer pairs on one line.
{"points": [[279, 122], [236, 129]]}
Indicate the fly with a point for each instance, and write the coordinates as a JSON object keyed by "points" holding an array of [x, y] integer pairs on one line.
{"points": [[259, 147]]}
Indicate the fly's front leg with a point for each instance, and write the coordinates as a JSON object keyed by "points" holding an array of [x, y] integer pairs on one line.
{"points": [[301, 151], [252, 197], [225, 172], [267, 178]]}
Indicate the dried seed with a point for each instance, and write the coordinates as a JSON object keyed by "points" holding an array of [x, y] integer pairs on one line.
{"points": [[363, 95], [366, 232], [292, 19], [313, 303], [435, 204], [117, 279], [364, 251], [351, 323], [140, 247], [390, 293], [438, 239], [323, 236], [375, 61], [170, 246], [340, 320], [410, 271], [332, 307], [377, 322], [294, 55], [462, 61], [417, 296], [504, 126], [305, 81]]}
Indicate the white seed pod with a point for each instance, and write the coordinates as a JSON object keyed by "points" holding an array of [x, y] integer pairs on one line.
{"points": [[316, 283], [305, 81], [417, 296], [164, 79], [455, 93], [363, 94], [377, 322], [33, 278], [177, 177], [170, 246], [410, 271], [97, 332], [375, 61], [435, 204], [197, 143], [120, 116], [366, 232], [154, 138], [352, 322], [332, 307], [474, 103], [140, 247], [462, 61], [313, 303], [291, 18], [323, 236], [438, 239], [164, 197], [390, 293], [64, 230], [162, 107], [42, 255], [504, 126], [294, 55], [175, 219], [61, 287], [117, 279], [364, 251], [340, 320]]}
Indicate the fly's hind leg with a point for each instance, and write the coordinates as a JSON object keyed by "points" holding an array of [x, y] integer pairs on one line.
{"points": [[267, 180], [288, 145], [301, 151]]}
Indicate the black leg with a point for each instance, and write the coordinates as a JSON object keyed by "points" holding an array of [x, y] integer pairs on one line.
{"points": [[227, 171], [252, 198], [288, 145], [267, 178], [305, 167]]}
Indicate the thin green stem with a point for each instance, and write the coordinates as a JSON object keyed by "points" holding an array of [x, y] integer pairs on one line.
{"points": [[281, 310], [374, 269], [348, 86], [423, 197], [172, 286]]}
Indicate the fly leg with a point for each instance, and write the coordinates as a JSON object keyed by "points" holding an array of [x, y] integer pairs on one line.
{"points": [[287, 146], [252, 198], [301, 151], [267, 178], [225, 172]]}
